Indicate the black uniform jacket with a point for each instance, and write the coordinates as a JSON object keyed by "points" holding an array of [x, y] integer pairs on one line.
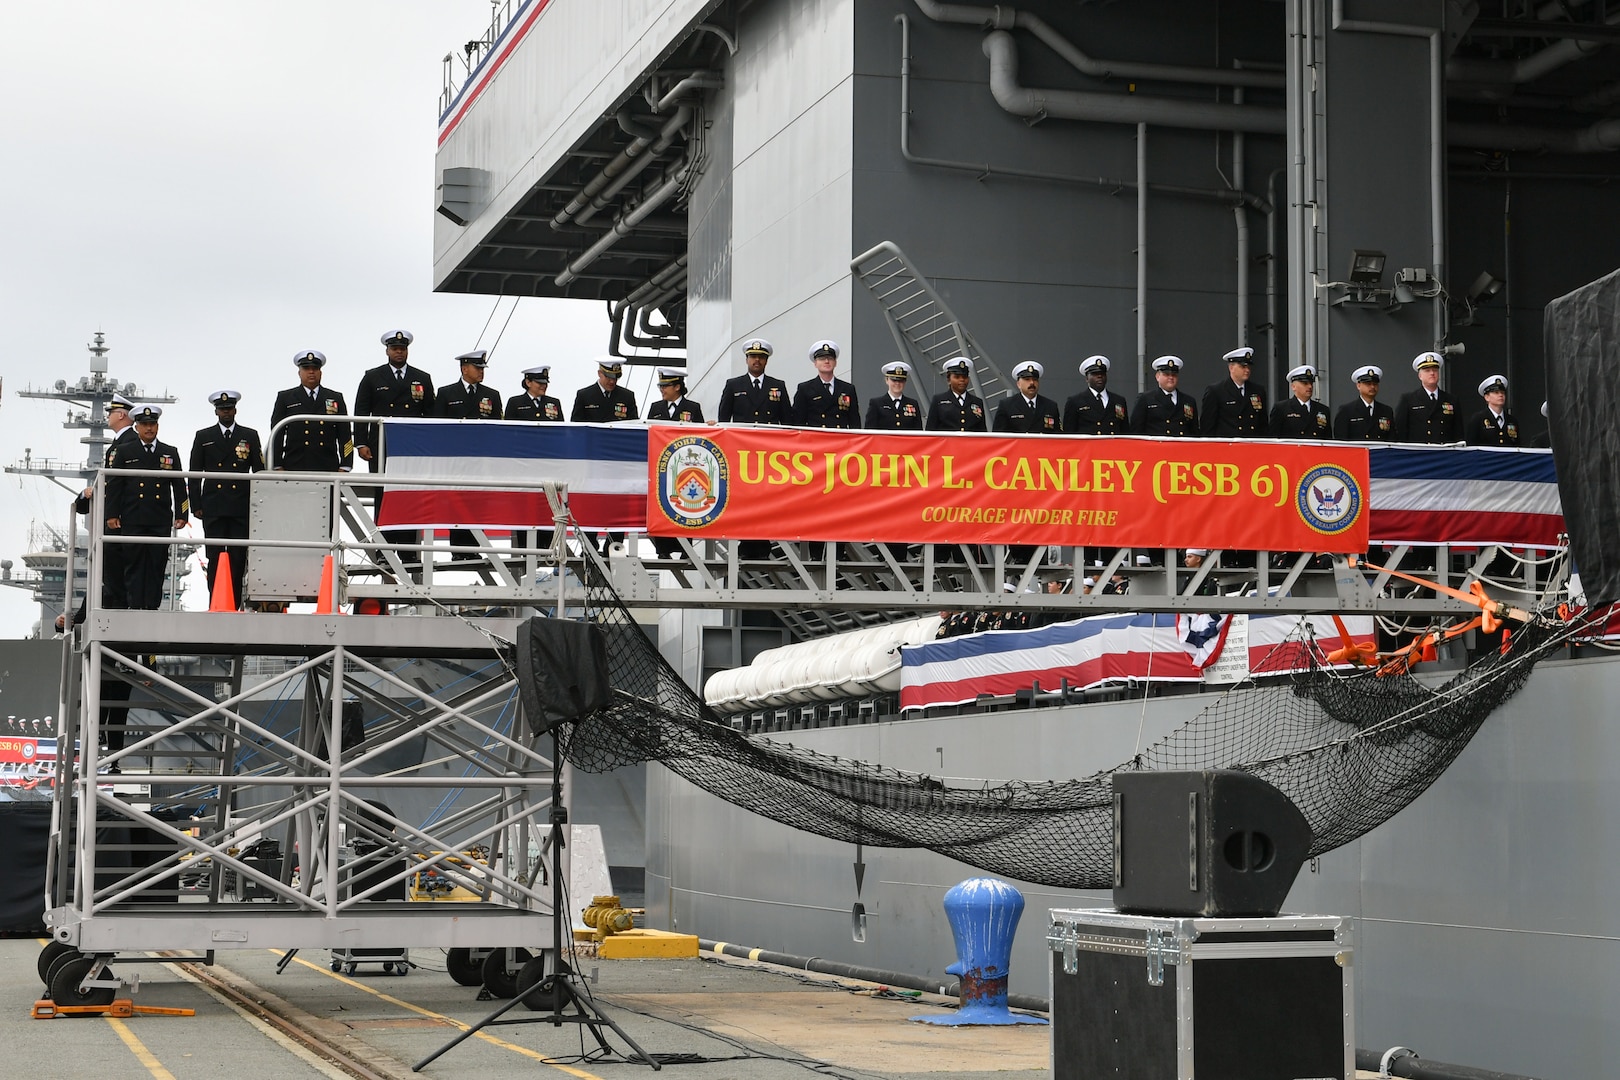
{"points": [[1420, 420], [1353, 423], [458, 401], [1016, 413], [1227, 413], [308, 446], [524, 407], [1481, 430], [212, 452], [741, 403], [144, 503], [81, 505], [817, 406], [884, 414], [1156, 414], [944, 414], [1085, 414], [1296, 419], [382, 393], [593, 405], [685, 410]]}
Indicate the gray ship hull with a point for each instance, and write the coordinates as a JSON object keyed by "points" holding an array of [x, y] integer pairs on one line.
{"points": [[1484, 912]]}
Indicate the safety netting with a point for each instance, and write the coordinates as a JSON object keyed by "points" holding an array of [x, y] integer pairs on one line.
{"points": [[1350, 749]]}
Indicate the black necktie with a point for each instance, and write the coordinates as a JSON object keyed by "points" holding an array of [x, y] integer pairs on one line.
{"points": [[961, 403], [1433, 396], [756, 385], [536, 402], [313, 394], [228, 433]]}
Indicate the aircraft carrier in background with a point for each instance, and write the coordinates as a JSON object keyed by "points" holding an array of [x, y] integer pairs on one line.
{"points": [[1332, 182]]}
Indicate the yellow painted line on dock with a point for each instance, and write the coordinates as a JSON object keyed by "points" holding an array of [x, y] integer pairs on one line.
{"points": [[138, 1048], [535, 1055]]}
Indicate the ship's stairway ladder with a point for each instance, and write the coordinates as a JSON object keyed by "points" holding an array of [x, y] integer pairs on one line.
{"points": [[922, 323]]}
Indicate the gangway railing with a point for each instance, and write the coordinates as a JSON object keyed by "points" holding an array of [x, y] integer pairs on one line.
{"points": [[923, 325]]}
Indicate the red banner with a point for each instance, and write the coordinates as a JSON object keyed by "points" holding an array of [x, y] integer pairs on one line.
{"points": [[790, 484]]}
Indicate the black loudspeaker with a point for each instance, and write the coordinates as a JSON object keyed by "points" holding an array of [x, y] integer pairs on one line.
{"points": [[562, 671], [1208, 844]]}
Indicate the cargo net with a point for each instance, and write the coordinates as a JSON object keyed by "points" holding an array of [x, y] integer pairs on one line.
{"points": [[1350, 749]]}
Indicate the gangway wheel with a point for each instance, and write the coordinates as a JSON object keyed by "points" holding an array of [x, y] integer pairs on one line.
{"points": [[466, 966], [540, 969], [66, 976], [49, 955], [497, 979]]}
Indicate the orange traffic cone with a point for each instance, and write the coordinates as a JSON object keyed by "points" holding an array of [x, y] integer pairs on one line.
{"points": [[224, 598], [323, 599]]}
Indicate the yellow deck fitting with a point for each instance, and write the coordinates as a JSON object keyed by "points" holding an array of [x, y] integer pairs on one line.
{"points": [[648, 945]]}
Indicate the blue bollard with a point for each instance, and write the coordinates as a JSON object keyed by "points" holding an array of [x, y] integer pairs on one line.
{"points": [[984, 914]]}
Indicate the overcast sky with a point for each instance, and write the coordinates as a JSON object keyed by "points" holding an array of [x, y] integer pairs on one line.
{"points": [[216, 186]]}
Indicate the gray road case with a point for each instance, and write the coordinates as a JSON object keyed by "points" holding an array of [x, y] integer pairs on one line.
{"points": [[1141, 997]]}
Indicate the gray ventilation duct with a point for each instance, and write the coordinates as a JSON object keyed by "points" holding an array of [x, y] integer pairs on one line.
{"points": [[1116, 108]]}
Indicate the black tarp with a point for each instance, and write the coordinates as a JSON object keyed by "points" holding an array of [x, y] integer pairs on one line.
{"points": [[1581, 332], [562, 671], [27, 831]]}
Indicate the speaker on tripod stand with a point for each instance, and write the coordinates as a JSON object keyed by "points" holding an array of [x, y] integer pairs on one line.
{"points": [[562, 679]]}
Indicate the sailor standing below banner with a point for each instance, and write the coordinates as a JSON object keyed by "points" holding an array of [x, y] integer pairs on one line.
{"points": [[826, 401], [1166, 410], [310, 445], [1428, 414], [1301, 417], [145, 506], [894, 411], [395, 388], [604, 401], [222, 505], [468, 399], [1096, 410], [1493, 425], [1235, 407], [1027, 411], [112, 555], [755, 397], [534, 405], [673, 404], [957, 408], [1365, 419]]}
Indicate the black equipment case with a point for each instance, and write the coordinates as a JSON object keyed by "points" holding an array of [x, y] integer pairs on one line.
{"points": [[1141, 997]]}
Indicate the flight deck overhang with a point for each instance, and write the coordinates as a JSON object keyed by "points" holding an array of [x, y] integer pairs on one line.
{"points": [[562, 91]]}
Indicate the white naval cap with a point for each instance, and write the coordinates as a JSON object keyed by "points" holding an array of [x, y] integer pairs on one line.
{"points": [[147, 414], [1303, 373], [119, 401], [1029, 369], [1493, 382], [1168, 363], [1428, 359], [1244, 355], [538, 373], [671, 376], [400, 338], [825, 345], [897, 370], [758, 345], [477, 357], [610, 365], [1369, 373], [224, 399], [1092, 363], [957, 363], [310, 358]]}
